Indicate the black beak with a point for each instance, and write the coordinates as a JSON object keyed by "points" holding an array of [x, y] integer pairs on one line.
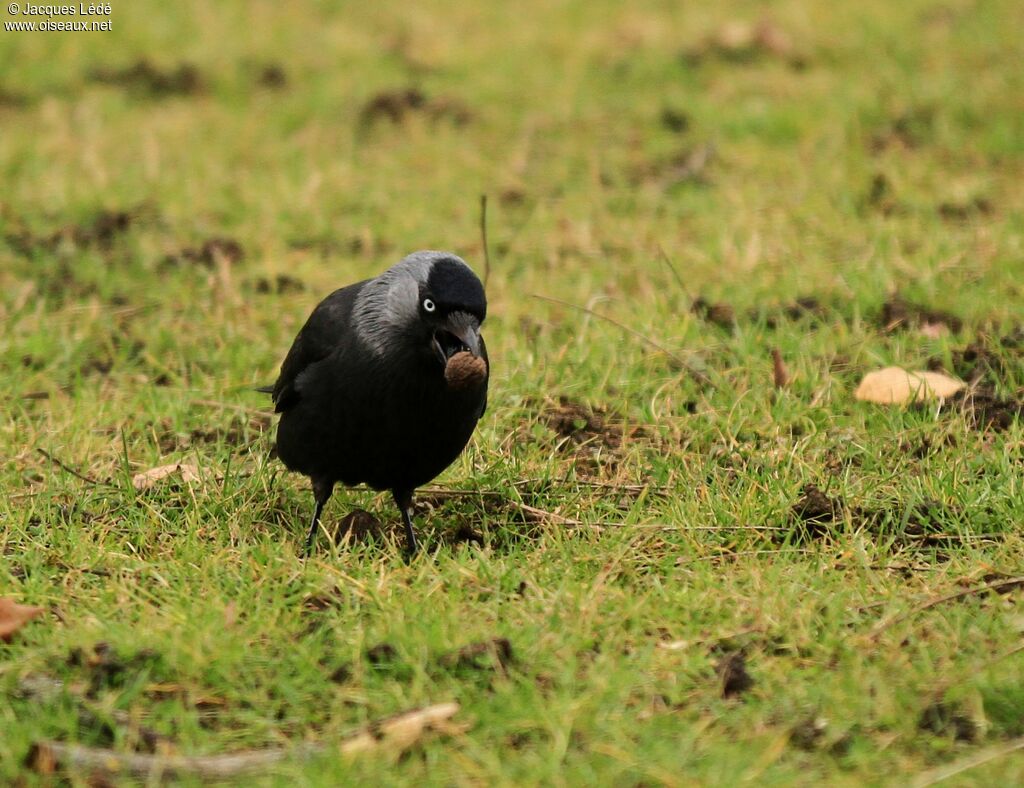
{"points": [[460, 333]]}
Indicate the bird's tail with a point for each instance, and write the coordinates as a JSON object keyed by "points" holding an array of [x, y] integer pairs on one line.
{"points": [[264, 389]]}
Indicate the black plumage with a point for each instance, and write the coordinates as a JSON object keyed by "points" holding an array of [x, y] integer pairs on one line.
{"points": [[366, 393]]}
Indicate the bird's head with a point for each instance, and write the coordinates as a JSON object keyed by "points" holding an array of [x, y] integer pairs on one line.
{"points": [[430, 302]]}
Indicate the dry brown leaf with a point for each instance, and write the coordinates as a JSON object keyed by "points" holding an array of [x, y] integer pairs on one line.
{"points": [[896, 386], [146, 479], [14, 616], [779, 371], [933, 330], [401, 731]]}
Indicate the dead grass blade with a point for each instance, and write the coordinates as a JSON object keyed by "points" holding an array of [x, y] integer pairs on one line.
{"points": [[146, 479]]}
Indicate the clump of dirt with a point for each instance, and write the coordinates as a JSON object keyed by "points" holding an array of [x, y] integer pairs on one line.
{"points": [[898, 313], [807, 735], [733, 676], [675, 120], [109, 670], [272, 76], [279, 285], [381, 654], [397, 106], [746, 43], [926, 446], [144, 77], [359, 526], [908, 129], [579, 424], [965, 211], [944, 719], [985, 359], [96, 366], [100, 231], [493, 654], [880, 196], [465, 533], [720, 314], [12, 99], [928, 517], [984, 410], [318, 603], [206, 254], [803, 308], [814, 513]]}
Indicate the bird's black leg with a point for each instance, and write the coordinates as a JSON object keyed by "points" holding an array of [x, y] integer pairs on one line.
{"points": [[321, 493], [403, 500]]}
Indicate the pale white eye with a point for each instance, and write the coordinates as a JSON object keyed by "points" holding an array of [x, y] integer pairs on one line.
{"points": [[428, 305]]}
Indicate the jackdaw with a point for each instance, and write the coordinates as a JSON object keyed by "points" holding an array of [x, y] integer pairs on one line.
{"points": [[385, 382]]}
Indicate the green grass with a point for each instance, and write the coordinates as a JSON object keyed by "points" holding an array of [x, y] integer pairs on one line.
{"points": [[881, 153]]}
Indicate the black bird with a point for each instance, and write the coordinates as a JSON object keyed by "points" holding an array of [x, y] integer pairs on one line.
{"points": [[385, 382]]}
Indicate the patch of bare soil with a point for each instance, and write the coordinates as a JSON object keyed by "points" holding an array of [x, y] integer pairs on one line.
{"points": [[578, 423], [964, 211], [925, 524], [101, 231], [12, 99], [733, 675], [719, 314], [359, 526], [984, 410], [881, 197], [272, 76], [279, 285], [815, 513], [143, 77], [397, 106], [485, 655], [989, 359], [899, 314], [207, 254]]}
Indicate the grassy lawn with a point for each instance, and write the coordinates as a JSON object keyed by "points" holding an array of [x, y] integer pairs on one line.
{"points": [[652, 565]]}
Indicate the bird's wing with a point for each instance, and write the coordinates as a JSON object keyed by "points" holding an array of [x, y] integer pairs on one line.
{"points": [[324, 331]]}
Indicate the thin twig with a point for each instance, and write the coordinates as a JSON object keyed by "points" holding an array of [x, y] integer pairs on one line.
{"points": [[68, 469], [396, 734], [697, 374], [483, 238], [1008, 582], [675, 272], [937, 775]]}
